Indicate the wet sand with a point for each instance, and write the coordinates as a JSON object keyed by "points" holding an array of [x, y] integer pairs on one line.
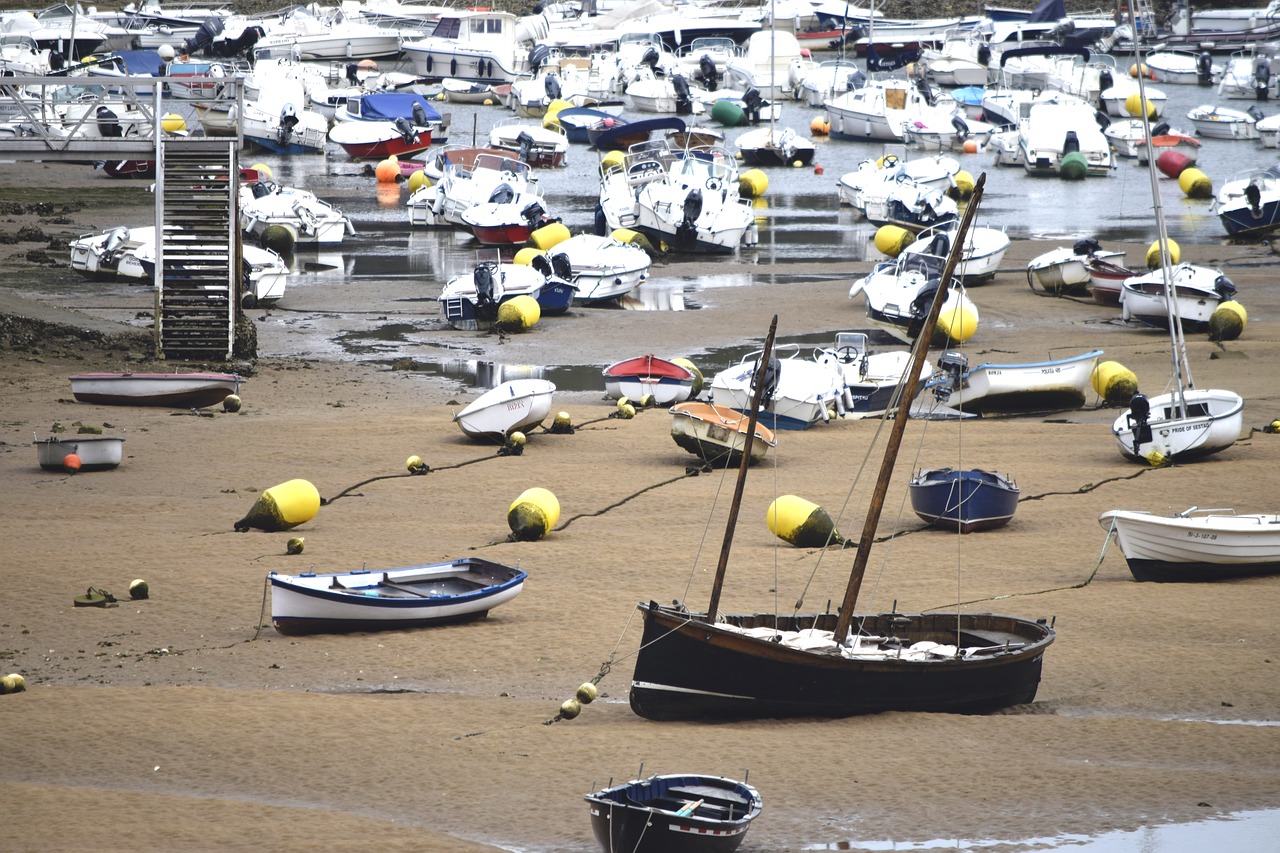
{"points": [[185, 721]]}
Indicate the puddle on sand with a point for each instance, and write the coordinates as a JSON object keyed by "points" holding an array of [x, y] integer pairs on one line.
{"points": [[1252, 830]]}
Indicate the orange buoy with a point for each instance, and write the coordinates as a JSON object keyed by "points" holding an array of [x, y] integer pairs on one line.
{"points": [[817, 169], [71, 462], [387, 171], [970, 146]]}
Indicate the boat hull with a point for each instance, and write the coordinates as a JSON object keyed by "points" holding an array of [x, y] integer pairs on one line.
{"points": [[173, 390], [688, 670], [96, 452], [1213, 423], [964, 501], [442, 593], [1193, 548], [515, 405], [717, 435], [674, 814]]}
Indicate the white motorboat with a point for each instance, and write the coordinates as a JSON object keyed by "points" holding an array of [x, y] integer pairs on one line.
{"points": [[898, 294], [391, 599], [1197, 292], [962, 58], [870, 179], [536, 144], [281, 121], [309, 220], [830, 80], [1247, 75], [668, 95], [471, 176], [94, 452], [514, 406], [686, 199], [1196, 544], [880, 109], [470, 301], [1182, 67], [602, 267], [771, 62], [1248, 204], [873, 381], [804, 391], [1010, 388], [984, 249], [1122, 99], [1065, 271], [1129, 139], [1062, 137], [482, 46], [1214, 122]]}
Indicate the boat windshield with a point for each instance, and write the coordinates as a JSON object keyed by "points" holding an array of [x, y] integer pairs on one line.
{"points": [[930, 266]]}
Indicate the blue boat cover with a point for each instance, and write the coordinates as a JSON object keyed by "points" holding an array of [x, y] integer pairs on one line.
{"points": [[389, 106]]}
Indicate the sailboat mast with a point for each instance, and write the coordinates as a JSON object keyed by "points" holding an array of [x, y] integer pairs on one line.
{"points": [[1181, 365], [919, 353], [753, 417]]}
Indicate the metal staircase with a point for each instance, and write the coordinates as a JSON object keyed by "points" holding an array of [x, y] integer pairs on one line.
{"points": [[198, 268]]}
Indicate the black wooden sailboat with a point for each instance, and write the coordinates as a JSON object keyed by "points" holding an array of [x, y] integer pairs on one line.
{"points": [[725, 666]]}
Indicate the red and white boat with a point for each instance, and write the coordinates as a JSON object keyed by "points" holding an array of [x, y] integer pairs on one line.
{"points": [[174, 390], [665, 382], [380, 139]]}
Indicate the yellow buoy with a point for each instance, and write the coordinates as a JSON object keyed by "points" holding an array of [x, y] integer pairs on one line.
{"points": [[1195, 183], [1153, 254], [1139, 69], [1114, 383], [415, 465], [138, 589], [231, 403], [525, 256], [1227, 321], [282, 507], [263, 170], [549, 236], [820, 126], [570, 708], [956, 324], [550, 117], [1133, 106], [295, 545], [626, 410], [173, 123], [587, 693], [418, 180], [753, 183], [964, 184], [635, 238], [562, 422], [698, 379], [13, 683], [279, 238], [611, 159], [518, 314], [802, 523], [532, 515], [892, 239]]}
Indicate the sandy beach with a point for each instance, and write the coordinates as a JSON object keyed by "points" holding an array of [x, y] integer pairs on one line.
{"points": [[186, 721]]}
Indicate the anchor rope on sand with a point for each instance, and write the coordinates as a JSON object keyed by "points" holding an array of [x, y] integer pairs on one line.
{"points": [[587, 691]]}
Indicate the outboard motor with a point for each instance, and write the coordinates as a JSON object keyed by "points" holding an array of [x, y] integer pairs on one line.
{"points": [[1204, 68], [1101, 119], [288, 121], [961, 126], [1085, 246], [525, 143], [561, 267], [707, 74], [204, 36], [1224, 287], [650, 58], [538, 55], [241, 43], [922, 86], [552, 86], [56, 61], [687, 230], [1070, 142], [419, 114], [1256, 112], [483, 278], [952, 366], [752, 101], [940, 245], [502, 194], [1105, 80], [1253, 195], [920, 306], [542, 265], [352, 74], [109, 123], [984, 54], [406, 130], [684, 103], [1139, 419], [262, 189], [772, 371], [532, 212], [856, 80], [1160, 129], [1261, 77]]}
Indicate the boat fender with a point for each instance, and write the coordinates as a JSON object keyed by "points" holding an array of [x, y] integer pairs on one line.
{"points": [[453, 68]]}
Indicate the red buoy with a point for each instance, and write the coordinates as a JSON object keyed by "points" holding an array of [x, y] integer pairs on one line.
{"points": [[1172, 163], [71, 462]]}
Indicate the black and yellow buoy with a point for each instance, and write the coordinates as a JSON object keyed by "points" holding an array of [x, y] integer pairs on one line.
{"points": [[802, 523], [282, 507], [1227, 321], [1115, 383], [532, 515]]}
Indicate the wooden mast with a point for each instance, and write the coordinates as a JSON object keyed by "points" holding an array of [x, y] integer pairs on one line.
{"points": [[918, 355], [757, 392]]}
